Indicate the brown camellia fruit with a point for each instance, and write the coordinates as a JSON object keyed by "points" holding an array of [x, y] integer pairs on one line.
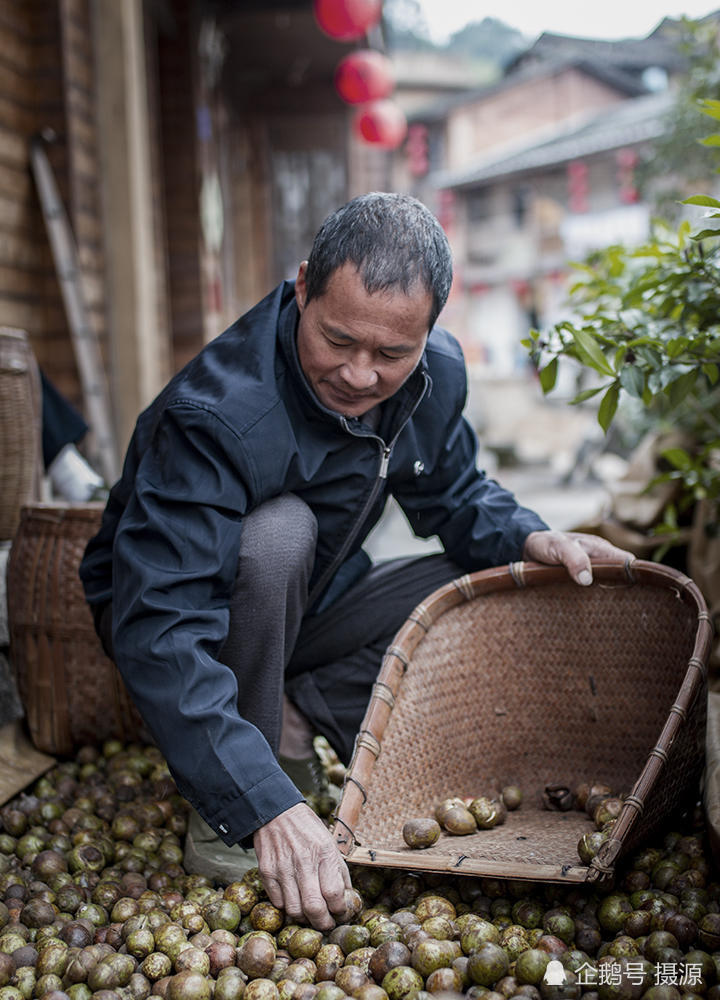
{"points": [[7, 969], [458, 820], [353, 906], [486, 812], [266, 917], [433, 904], [193, 959], [387, 956], [328, 960], [558, 797], [370, 991], [709, 931], [444, 981], [221, 955], [607, 810], [444, 805], [590, 843], [188, 985], [350, 978], [257, 989], [512, 796], [421, 832], [256, 957]]}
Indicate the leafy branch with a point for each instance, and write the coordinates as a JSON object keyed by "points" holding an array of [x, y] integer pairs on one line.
{"points": [[648, 329]]}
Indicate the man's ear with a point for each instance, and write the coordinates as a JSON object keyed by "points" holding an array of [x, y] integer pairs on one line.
{"points": [[301, 286]]}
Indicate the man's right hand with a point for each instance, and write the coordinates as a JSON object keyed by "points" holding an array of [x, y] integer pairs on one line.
{"points": [[302, 870]]}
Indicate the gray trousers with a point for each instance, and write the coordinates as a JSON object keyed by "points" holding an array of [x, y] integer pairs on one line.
{"points": [[327, 662]]}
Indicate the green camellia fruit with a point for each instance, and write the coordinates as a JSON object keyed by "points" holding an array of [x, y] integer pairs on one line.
{"points": [[531, 965], [487, 964], [402, 983]]}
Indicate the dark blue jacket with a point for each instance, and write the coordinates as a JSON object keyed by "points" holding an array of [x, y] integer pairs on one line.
{"points": [[237, 426]]}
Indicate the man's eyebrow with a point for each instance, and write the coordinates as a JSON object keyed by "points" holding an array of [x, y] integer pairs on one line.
{"points": [[333, 331]]}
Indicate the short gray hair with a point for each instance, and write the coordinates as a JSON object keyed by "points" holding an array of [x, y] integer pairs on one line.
{"points": [[393, 240]]}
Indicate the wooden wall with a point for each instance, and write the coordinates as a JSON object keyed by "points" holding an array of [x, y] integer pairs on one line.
{"points": [[83, 168], [181, 183], [30, 96], [46, 82]]}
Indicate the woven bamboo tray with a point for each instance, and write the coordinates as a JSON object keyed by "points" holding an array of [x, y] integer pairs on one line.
{"points": [[518, 675], [71, 691]]}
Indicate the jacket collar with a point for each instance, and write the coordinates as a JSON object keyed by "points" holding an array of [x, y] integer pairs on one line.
{"points": [[397, 409]]}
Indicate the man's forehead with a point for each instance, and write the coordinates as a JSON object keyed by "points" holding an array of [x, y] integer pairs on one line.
{"points": [[374, 285]]}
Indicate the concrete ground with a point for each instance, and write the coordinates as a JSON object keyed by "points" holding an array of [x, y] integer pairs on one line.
{"points": [[562, 506]]}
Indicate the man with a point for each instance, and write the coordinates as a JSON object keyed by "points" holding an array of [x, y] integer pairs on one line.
{"points": [[228, 576]]}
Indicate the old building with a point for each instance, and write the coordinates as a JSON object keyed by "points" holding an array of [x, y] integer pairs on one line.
{"points": [[534, 170]]}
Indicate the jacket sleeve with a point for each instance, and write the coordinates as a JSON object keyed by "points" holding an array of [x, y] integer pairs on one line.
{"points": [[174, 563], [479, 523]]}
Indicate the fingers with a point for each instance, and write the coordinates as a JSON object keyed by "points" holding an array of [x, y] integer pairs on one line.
{"points": [[335, 878], [572, 550], [601, 548], [322, 890], [558, 548], [576, 560], [302, 869]]}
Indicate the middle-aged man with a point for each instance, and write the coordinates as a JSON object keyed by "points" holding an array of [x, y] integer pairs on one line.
{"points": [[228, 579]]}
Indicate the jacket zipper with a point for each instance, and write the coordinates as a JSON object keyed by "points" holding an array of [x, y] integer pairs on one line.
{"points": [[385, 453], [330, 570]]}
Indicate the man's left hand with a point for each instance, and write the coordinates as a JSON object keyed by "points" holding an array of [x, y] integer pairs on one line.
{"points": [[573, 550]]}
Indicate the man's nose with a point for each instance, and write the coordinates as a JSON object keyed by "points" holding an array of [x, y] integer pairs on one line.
{"points": [[359, 374]]}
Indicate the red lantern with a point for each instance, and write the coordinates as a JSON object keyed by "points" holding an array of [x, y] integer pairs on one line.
{"points": [[363, 76], [347, 20], [381, 123]]}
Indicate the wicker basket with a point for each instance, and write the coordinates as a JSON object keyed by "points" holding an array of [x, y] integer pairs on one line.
{"points": [[20, 428], [71, 692], [517, 675]]}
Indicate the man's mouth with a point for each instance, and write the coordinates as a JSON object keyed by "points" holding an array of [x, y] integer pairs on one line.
{"points": [[349, 397]]}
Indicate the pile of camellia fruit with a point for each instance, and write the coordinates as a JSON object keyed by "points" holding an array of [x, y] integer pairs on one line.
{"points": [[95, 905]]}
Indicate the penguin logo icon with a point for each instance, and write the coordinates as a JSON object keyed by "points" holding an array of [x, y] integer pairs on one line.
{"points": [[555, 974]]}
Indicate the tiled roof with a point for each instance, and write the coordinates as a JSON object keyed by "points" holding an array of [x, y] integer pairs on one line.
{"points": [[621, 64], [637, 120], [621, 81], [660, 48]]}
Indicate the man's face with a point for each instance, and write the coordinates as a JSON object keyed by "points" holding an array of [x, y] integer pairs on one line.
{"points": [[357, 349]]}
